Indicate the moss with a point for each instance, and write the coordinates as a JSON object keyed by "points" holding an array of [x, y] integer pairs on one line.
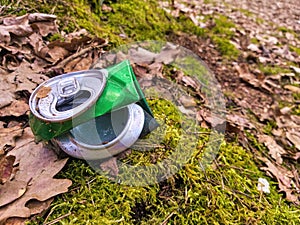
{"points": [[269, 127], [224, 193], [272, 69], [221, 34], [295, 49], [226, 48], [246, 12]]}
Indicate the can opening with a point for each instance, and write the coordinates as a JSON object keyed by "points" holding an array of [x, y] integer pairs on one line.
{"points": [[73, 101], [108, 127]]}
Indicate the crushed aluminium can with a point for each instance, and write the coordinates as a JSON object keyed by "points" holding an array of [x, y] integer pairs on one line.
{"points": [[91, 114]]}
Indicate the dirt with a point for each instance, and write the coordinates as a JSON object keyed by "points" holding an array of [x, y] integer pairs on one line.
{"points": [[261, 84]]}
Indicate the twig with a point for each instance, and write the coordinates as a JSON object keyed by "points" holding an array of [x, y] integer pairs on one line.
{"points": [[168, 217], [80, 53], [58, 219]]}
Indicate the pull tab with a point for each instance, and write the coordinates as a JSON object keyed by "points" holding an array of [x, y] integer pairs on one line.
{"points": [[68, 87]]}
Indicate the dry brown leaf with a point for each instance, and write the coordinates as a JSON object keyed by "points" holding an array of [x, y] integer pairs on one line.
{"points": [[11, 191], [73, 45], [168, 54], [25, 79], [284, 178], [248, 77], [239, 121], [6, 89], [18, 30], [57, 53], [37, 166], [8, 136], [292, 88], [84, 63], [294, 137], [43, 92], [187, 101], [37, 207], [38, 17], [71, 65], [13, 20], [45, 28], [275, 150], [15, 221], [141, 55], [17, 108], [6, 168], [110, 166], [4, 35]]}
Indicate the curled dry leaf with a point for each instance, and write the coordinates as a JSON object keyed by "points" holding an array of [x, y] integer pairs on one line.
{"points": [[45, 28], [275, 150], [294, 137], [284, 178], [13, 20], [39, 17]]}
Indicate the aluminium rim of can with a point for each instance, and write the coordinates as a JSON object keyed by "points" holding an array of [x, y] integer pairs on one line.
{"points": [[126, 138], [44, 108]]}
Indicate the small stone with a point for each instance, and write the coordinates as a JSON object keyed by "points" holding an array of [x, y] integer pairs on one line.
{"points": [[295, 69], [253, 48]]}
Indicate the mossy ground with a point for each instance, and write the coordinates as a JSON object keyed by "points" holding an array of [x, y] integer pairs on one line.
{"points": [[225, 193]]}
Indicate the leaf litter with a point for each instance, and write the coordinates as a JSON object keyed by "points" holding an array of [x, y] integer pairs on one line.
{"points": [[265, 75], [41, 59], [28, 58]]}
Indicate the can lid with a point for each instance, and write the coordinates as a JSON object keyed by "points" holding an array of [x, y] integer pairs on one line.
{"points": [[66, 96]]}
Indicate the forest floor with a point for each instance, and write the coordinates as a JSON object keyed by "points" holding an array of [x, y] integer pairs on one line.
{"points": [[252, 48]]}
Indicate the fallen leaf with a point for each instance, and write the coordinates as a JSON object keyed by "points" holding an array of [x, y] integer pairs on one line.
{"points": [[15, 221], [39, 17], [295, 69], [6, 168], [45, 28], [187, 101], [4, 35], [168, 54], [57, 53], [8, 136], [11, 191], [16, 108], [239, 121], [284, 178], [141, 55], [248, 77], [36, 167], [43, 92], [275, 150], [25, 79], [15, 20], [292, 88], [37, 207], [294, 137], [110, 166]]}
